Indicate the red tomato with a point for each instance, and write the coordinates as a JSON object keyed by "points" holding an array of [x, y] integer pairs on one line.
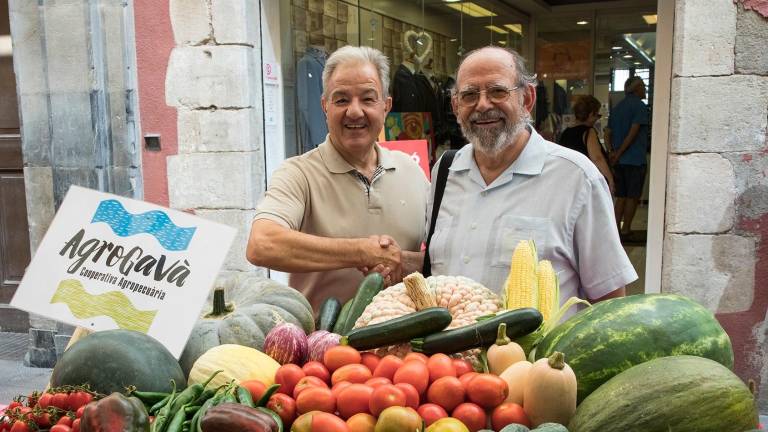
{"points": [[387, 367], [487, 390], [61, 428], [76, 425], [446, 392], [338, 387], [65, 420], [308, 382], [412, 398], [414, 373], [354, 373], [60, 400], [416, 356], [31, 399], [256, 387], [45, 399], [14, 404], [431, 413], [81, 410], [440, 365], [377, 381], [316, 398], [462, 366], [471, 415], [370, 360], [324, 422], [508, 413], [43, 419], [78, 399], [340, 355], [362, 422], [284, 406], [384, 397], [20, 426], [288, 375], [315, 368], [467, 377], [354, 399]]}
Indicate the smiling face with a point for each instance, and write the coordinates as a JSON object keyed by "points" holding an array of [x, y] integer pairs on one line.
{"points": [[491, 126], [355, 107]]}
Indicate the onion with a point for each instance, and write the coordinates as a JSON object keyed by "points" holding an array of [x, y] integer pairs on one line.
{"points": [[319, 342], [286, 343]]}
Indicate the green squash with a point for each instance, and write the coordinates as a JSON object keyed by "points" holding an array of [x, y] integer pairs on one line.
{"points": [[111, 360], [550, 427], [678, 393], [601, 341], [257, 305]]}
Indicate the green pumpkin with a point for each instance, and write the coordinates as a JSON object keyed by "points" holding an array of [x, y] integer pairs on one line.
{"points": [[254, 305], [111, 360]]}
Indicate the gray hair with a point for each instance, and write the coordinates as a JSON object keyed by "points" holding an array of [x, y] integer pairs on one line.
{"points": [[523, 76], [358, 54]]}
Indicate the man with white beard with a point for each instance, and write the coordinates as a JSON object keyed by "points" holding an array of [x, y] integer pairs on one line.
{"points": [[509, 184]]}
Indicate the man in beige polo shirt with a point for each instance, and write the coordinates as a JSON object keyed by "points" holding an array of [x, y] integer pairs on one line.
{"points": [[349, 203]]}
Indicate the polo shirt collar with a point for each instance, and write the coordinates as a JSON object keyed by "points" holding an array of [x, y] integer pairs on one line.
{"points": [[530, 161], [338, 165]]}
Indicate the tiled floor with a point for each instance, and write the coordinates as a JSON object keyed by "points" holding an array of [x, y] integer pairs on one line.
{"points": [[636, 252]]}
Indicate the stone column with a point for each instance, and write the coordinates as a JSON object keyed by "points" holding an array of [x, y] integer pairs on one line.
{"points": [[214, 80]]}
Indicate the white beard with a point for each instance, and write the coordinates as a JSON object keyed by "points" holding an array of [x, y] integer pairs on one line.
{"points": [[491, 141]]}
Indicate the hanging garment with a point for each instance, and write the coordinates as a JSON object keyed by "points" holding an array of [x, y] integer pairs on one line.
{"points": [[309, 89]]}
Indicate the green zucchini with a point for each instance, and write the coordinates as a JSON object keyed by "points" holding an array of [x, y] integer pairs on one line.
{"points": [[399, 330], [369, 287], [329, 313], [338, 326], [519, 322]]}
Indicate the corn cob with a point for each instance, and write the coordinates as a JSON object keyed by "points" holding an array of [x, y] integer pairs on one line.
{"points": [[549, 290], [521, 288]]}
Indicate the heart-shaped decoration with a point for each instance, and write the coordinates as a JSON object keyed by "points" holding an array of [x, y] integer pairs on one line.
{"points": [[418, 43]]}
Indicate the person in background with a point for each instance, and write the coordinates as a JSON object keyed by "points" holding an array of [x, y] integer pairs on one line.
{"points": [[349, 203], [583, 138], [627, 136], [509, 184]]}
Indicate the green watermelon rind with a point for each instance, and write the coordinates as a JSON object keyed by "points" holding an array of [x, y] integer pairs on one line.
{"points": [[676, 393], [601, 341]]}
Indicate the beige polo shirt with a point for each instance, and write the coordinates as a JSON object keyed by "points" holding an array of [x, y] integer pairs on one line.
{"points": [[320, 193]]}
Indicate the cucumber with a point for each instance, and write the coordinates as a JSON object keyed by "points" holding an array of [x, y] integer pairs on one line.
{"points": [[399, 330], [369, 287], [329, 313], [519, 322], [338, 326]]}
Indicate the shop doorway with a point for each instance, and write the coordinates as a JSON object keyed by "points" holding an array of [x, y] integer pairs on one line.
{"points": [[14, 231]]}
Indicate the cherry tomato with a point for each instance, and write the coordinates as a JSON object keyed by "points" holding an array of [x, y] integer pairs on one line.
{"points": [[316, 399], [315, 368], [370, 360], [284, 406], [384, 397], [471, 415], [387, 366], [76, 425], [416, 356], [65, 420], [288, 375], [414, 373], [60, 400], [255, 387], [440, 365], [77, 399], [81, 410], [340, 355], [42, 419], [20, 426], [45, 400], [61, 428], [508, 413], [412, 398], [354, 373], [431, 413], [308, 382], [354, 399], [446, 392], [377, 381], [14, 404], [462, 366], [487, 390]]}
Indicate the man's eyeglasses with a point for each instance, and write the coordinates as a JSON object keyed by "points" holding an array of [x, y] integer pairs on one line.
{"points": [[496, 95]]}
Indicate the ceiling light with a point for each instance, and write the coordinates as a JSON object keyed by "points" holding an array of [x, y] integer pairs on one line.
{"points": [[651, 19], [637, 63], [471, 9], [617, 47], [453, 40], [517, 28], [496, 29], [452, 1], [502, 42], [6, 47], [582, 22], [627, 56]]}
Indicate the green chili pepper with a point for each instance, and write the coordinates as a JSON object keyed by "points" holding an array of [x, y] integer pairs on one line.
{"points": [[196, 420], [149, 398], [267, 394], [244, 396], [161, 419], [178, 420], [156, 407], [191, 393]]}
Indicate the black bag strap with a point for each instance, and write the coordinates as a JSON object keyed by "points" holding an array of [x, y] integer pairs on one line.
{"points": [[442, 177]]}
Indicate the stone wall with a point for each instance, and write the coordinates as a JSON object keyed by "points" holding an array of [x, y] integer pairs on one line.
{"points": [[716, 235], [74, 66], [214, 81]]}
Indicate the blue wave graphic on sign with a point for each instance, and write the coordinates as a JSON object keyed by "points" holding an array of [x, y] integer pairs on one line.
{"points": [[154, 222]]}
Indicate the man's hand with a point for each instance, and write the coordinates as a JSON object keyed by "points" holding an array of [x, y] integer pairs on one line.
{"points": [[385, 259], [613, 158]]}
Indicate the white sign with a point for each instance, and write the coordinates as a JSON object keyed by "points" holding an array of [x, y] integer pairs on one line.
{"points": [[110, 262]]}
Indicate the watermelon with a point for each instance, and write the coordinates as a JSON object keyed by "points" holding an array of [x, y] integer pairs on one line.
{"points": [[677, 393], [601, 341]]}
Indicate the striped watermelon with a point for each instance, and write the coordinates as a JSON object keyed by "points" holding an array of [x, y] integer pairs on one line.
{"points": [[680, 394], [614, 335]]}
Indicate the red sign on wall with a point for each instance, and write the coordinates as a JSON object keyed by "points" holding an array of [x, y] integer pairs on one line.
{"points": [[416, 149]]}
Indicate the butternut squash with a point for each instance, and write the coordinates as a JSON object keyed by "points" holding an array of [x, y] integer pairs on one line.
{"points": [[516, 377], [550, 393], [504, 353]]}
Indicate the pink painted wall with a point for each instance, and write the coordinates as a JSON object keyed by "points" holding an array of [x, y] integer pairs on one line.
{"points": [[154, 42]]}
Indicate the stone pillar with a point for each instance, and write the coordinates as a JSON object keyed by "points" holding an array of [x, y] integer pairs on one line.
{"points": [[74, 68], [716, 234], [214, 80]]}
